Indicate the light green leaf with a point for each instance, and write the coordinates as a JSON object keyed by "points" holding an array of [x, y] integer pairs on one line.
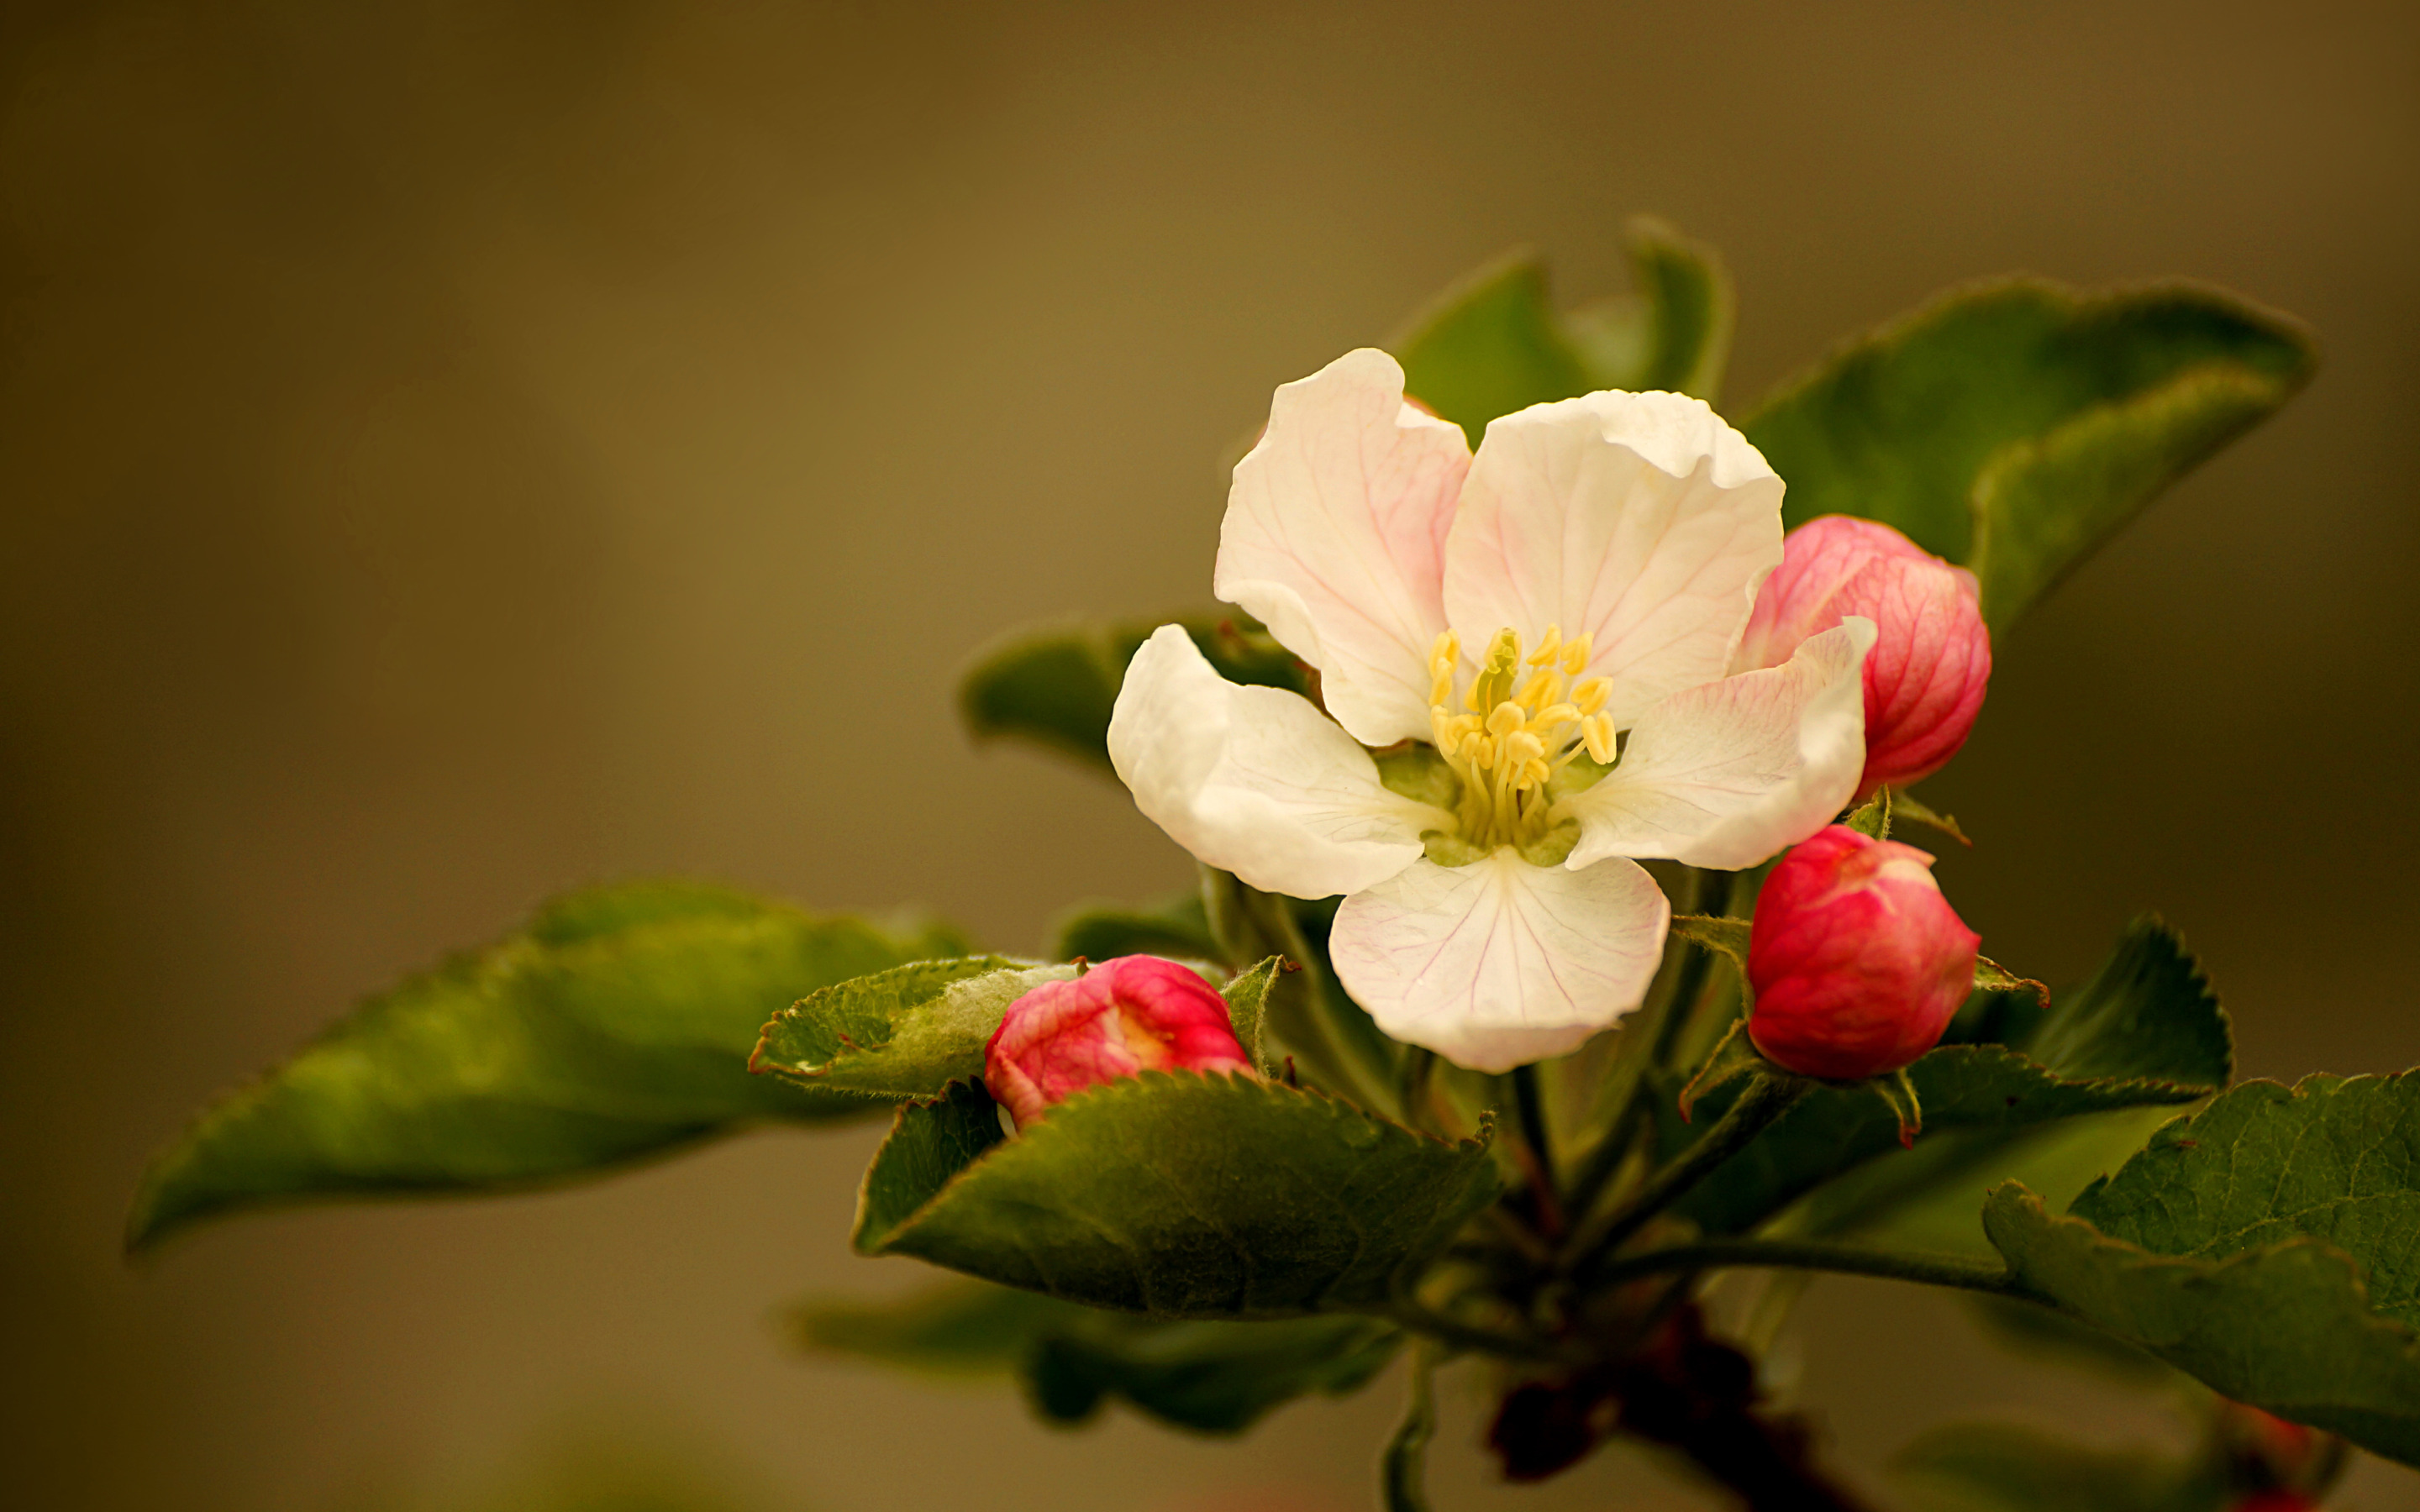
{"points": [[2014, 425], [2143, 1032], [1494, 343], [1181, 1195], [2004, 1467], [2270, 1246], [906, 1032], [1178, 928], [1055, 685], [612, 1028]]}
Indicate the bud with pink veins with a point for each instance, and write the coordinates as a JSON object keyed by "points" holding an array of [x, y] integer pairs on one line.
{"points": [[1123, 1017]]}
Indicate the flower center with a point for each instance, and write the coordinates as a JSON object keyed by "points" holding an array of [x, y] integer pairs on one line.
{"points": [[1515, 730]]}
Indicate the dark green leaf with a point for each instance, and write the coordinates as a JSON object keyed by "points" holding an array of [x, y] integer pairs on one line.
{"points": [[906, 1032], [1214, 1377], [1185, 1194], [1494, 343], [2143, 1032], [930, 1142], [612, 1028], [1056, 684], [2270, 1246], [2014, 425], [1211, 1376], [1178, 928], [2003, 1467]]}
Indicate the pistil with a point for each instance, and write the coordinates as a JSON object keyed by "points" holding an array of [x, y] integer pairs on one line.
{"points": [[1512, 733]]}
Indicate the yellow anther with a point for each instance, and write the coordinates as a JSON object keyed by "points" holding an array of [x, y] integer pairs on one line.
{"points": [[1506, 717], [1540, 689], [1555, 714], [1597, 730], [1575, 654], [1535, 773], [1590, 695], [1521, 746], [1547, 647], [1480, 752], [1442, 687]]}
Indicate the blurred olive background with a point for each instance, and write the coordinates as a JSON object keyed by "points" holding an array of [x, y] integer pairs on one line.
{"points": [[451, 453]]}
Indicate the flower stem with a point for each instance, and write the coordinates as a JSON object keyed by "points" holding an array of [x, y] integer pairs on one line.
{"points": [[1819, 1255], [1530, 1101], [1769, 1095], [1403, 1474]]}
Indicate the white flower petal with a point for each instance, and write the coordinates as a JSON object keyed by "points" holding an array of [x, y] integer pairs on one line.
{"points": [[1255, 781], [1641, 521], [1335, 538], [1500, 963], [1725, 774]]}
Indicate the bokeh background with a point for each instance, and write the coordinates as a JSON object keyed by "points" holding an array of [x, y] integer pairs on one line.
{"points": [[452, 451]]}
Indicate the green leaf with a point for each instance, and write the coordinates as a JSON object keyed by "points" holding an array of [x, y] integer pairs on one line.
{"points": [[2014, 425], [1213, 1377], [1055, 685], [611, 1028], [2143, 1032], [1208, 1375], [906, 1032], [1181, 1194], [2004, 1467], [2270, 1246], [1494, 343], [1178, 927], [930, 1142]]}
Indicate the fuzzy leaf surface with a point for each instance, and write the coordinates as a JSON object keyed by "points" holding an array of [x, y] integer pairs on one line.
{"points": [[614, 1026], [2270, 1246], [1056, 684], [906, 1032], [2014, 425], [1183, 1194]]}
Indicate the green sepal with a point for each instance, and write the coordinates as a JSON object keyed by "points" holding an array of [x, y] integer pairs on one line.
{"points": [[1181, 1194], [1899, 1094], [2014, 425], [1494, 342], [1905, 807], [612, 1028], [2269, 1246], [1727, 937], [1248, 1003], [1055, 685], [1872, 818], [906, 1032]]}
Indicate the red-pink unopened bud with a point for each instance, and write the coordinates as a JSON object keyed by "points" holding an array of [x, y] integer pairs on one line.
{"points": [[1132, 1014], [1932, 658], [1857, 961]]}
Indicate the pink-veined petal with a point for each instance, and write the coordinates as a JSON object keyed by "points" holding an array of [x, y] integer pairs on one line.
{"points": [[1641, 521], [1725, 774], [1255, 781], [1335, 538], [1500, 963]]}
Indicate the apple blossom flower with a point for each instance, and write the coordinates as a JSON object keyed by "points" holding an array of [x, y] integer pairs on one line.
{"points": [[1542, 631], [1932, 658], [1131, 1014], [1857, 959]]}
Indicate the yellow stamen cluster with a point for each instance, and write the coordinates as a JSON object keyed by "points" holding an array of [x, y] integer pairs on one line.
{"points": [[1513, 730]]}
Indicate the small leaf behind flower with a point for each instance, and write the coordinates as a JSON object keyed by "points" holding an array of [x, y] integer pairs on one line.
{"points": [[1248, 1003], [907, 1032], [611, 1028], [1181, 1194], [1056, 684]]}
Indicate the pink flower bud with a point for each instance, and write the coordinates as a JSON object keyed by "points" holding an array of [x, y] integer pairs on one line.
{"points": [[1926, 675], [1132, 1014], [1857, 959]]}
